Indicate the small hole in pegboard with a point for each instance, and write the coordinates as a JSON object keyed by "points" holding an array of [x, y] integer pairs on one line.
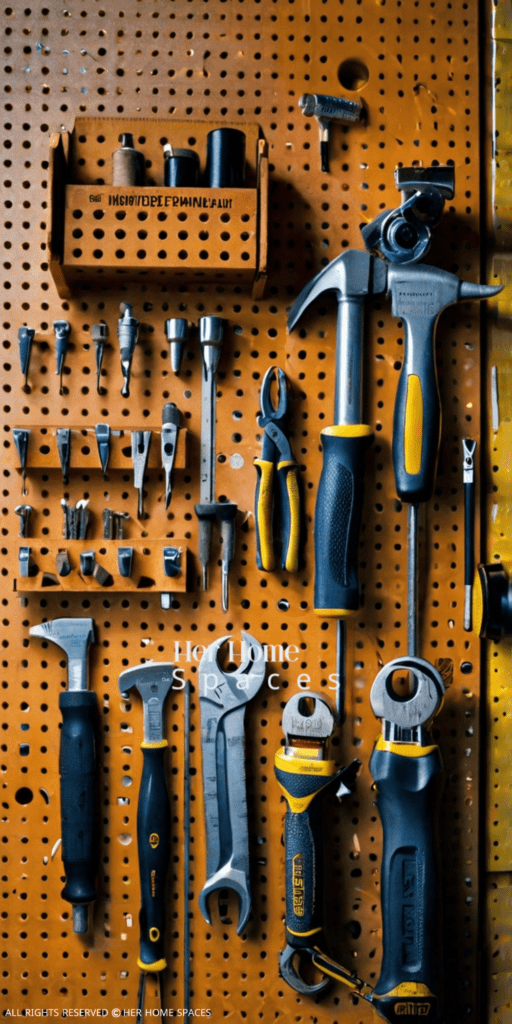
{"points": [[353, 74]]}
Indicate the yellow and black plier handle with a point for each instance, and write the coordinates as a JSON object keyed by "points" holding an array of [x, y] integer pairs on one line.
{"points": [[288, 499]]}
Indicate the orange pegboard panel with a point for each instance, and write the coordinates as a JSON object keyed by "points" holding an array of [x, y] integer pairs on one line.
{"points": [[415, 67]]}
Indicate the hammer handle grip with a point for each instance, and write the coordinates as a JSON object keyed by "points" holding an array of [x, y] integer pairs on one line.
{"points": [[77, 794], [338, 519], [417, 415], [153, 841], [409, 789]]}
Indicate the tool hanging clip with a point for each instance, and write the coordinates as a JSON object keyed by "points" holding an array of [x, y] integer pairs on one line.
{"points": [[21, 439], [25, 339]]}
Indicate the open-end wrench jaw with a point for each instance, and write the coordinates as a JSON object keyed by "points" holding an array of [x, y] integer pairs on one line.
{"points": [[242, 684], [223, 696], [228, 877], [414, 711]]}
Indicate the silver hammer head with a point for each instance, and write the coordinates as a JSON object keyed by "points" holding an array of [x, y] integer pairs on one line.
{"points": [[74, 636], [352, 275], [152, 680]]}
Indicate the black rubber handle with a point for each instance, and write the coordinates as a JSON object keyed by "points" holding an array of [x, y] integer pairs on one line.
{"points": [[324, 156], [303, 846], [338, 520], [77, 794], [153, 840], [409, 789]]}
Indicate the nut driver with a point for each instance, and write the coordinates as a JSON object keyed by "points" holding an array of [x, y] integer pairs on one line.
{"points": [[79, 710], [222, 699], [304, 773]]}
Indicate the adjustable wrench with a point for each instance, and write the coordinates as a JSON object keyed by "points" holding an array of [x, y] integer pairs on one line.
{"points": [[303, 773], [222, 698], [406, 767]]}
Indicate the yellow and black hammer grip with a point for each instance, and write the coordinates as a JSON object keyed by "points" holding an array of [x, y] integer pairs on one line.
{"points": [[288, 500], [338, 519], [302, 779], [153, 840], [416, 425], [408, 782]]}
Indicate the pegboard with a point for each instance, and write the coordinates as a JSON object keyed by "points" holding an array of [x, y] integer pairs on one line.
{"points": [[415, 67]]}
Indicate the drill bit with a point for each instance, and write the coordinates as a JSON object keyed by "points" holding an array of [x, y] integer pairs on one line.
{"points": [[62, 331], [141, 440], [128, 333]]}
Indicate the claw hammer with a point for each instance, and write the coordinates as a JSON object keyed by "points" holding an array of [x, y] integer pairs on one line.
{"points": [[76, 764]]}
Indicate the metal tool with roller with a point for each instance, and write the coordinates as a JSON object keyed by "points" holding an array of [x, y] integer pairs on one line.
{"points": [[76, 764], [304, 773], [152, 680]]}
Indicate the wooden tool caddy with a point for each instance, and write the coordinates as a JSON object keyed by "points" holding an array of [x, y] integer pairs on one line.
{"points": [[101, 232]]}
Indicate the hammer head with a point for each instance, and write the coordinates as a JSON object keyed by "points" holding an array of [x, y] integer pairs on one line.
{"points": [[73, 635], [352, 275], [152, 679]]}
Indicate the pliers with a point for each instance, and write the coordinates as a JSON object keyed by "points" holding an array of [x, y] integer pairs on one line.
{"points": [[276, 452]]}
